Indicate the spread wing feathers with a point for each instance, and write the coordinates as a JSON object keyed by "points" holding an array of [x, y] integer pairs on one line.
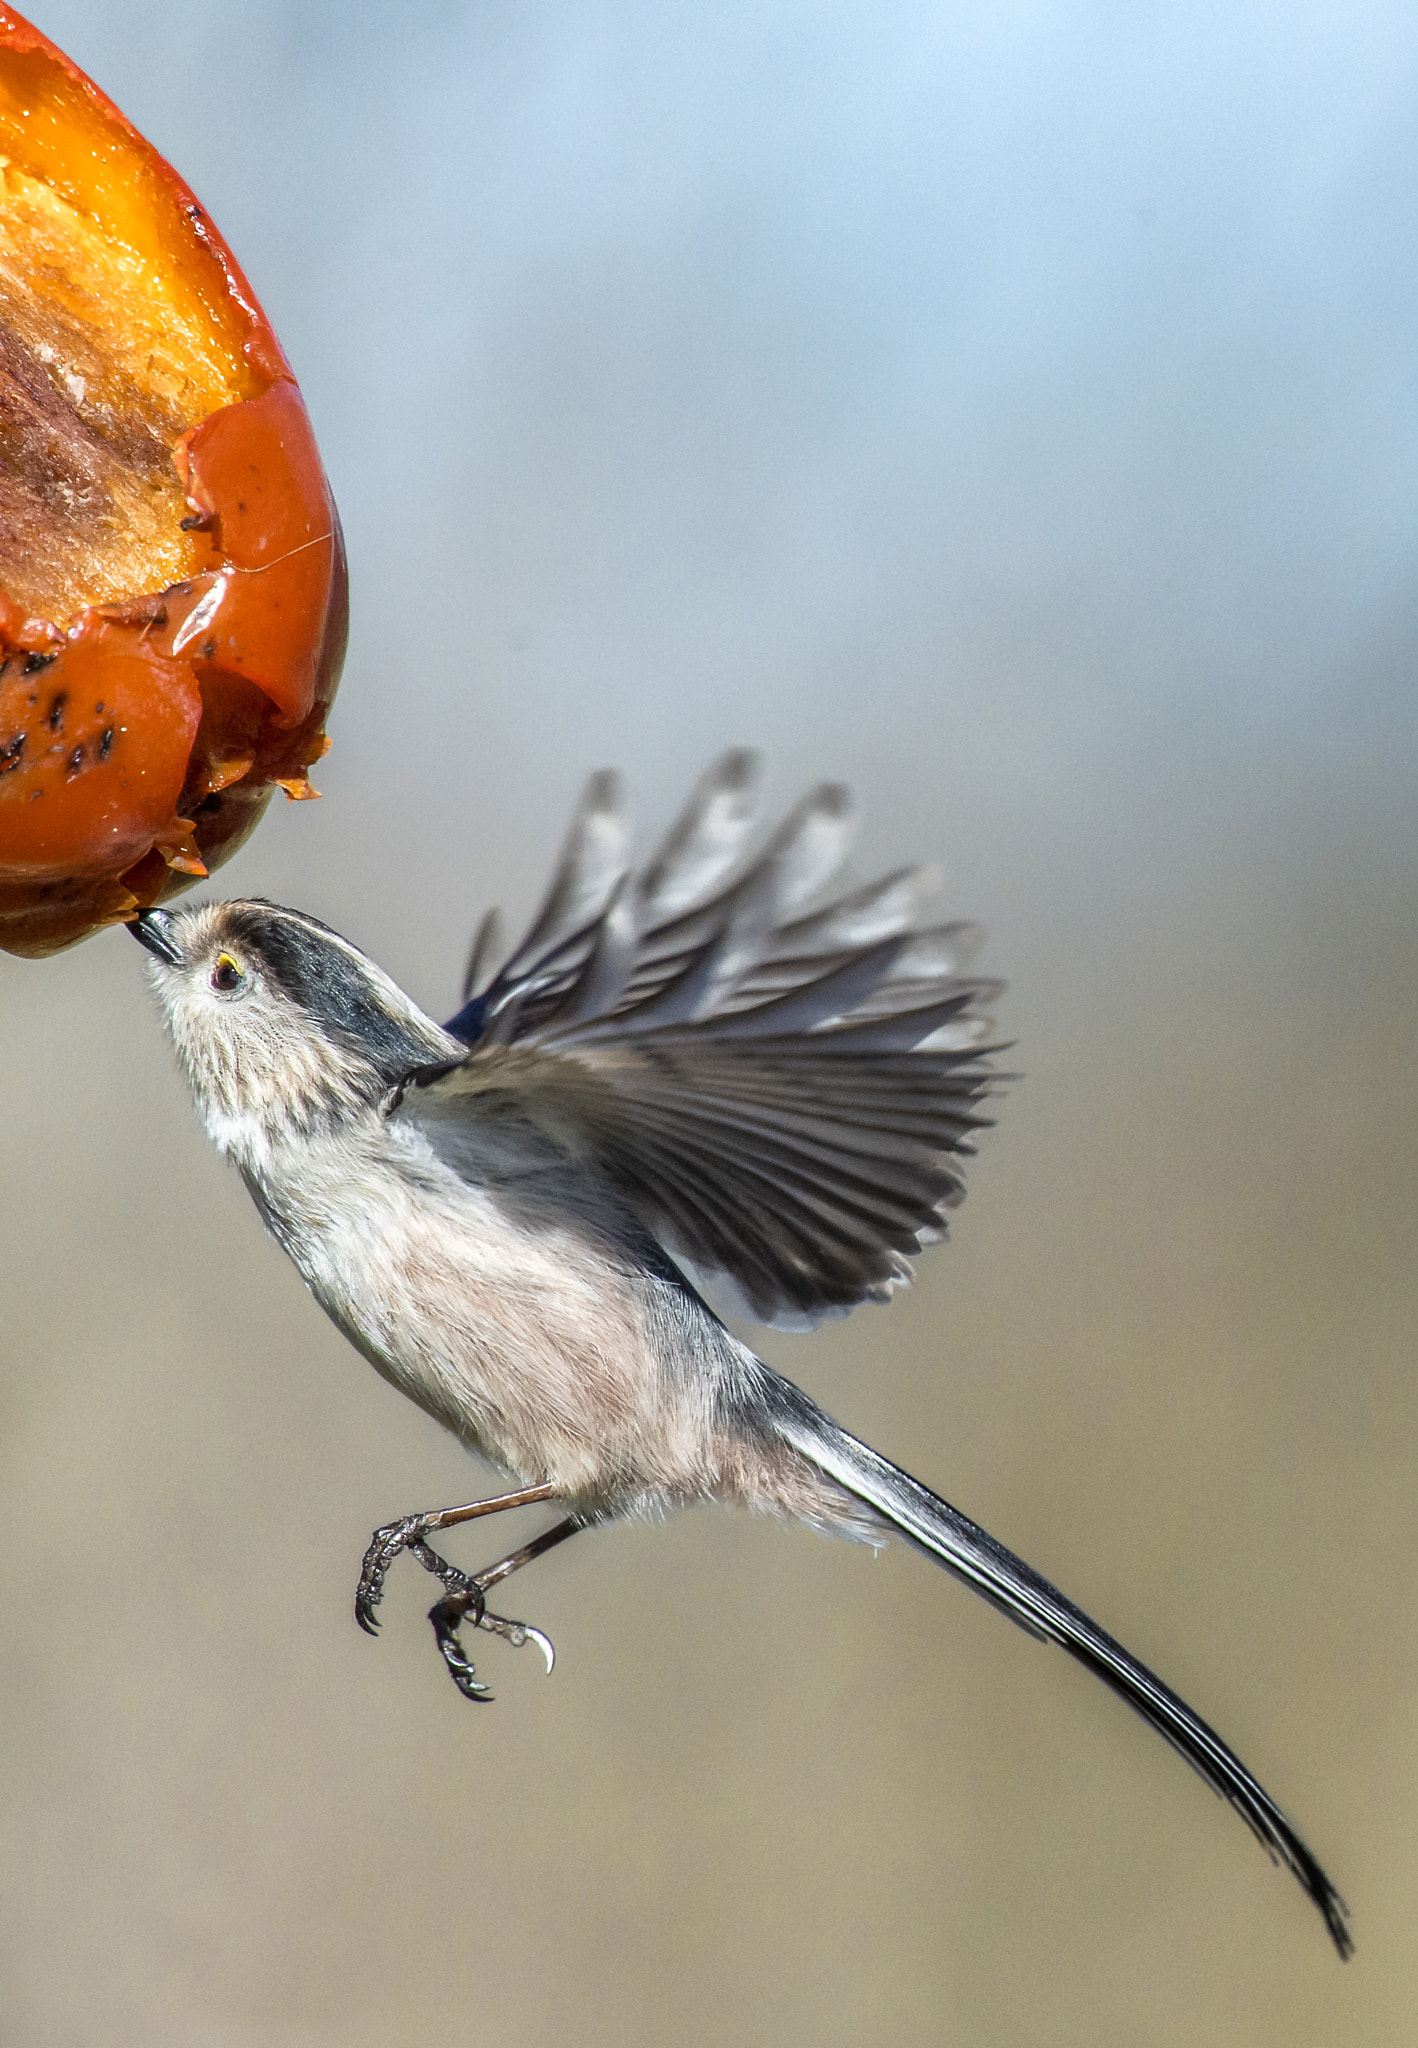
{"points": [[783, 1081]]}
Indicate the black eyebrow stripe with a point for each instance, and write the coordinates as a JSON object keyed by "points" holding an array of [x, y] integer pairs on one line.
{"points": [[328, 978]]}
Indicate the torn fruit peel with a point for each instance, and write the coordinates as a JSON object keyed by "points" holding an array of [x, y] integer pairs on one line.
{"points": [[172, 578]]}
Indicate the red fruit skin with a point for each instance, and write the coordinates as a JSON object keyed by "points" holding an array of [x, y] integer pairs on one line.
{"points": [[181, 708]]}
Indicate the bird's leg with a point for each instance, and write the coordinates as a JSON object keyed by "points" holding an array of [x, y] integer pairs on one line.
{"points": [[409, 1534], [466, 1595]]}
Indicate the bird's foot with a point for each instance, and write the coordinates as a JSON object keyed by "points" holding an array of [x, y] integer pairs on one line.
{"points": [[465, 1597], [459, 1604], [384, 1546], [409, 1532]]}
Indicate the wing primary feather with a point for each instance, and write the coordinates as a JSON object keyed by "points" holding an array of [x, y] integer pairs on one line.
{"points": [[810, 847], [705, 842], [724, 938], [837, 1198], [484, 945], [692, 1208], [714, 966], [860, 1231], [602, 980], [877, 911], [906, 1029], [593, 859], [834, 994], [503, 1021], [840, 1142]]}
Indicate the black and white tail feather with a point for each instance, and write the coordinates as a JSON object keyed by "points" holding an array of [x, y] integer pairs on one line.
{"points": [[785, 1084], [972, 1555]]}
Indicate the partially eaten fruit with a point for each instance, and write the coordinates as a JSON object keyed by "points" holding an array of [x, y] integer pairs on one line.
{"points": [[172, 578]]}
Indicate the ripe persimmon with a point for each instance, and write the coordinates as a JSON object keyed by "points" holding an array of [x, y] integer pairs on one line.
{"points": [[172, 578]]}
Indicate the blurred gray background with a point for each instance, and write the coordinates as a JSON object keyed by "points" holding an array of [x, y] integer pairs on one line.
{"points": [[1012, 408]]}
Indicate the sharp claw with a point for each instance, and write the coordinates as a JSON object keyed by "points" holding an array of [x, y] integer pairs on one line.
{"points": [[384, 1547], [445, 1614], [462, 1671], [518, 1634]]}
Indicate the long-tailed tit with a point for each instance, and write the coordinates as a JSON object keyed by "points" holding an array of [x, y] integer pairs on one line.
{"points": [[709, 1068]]}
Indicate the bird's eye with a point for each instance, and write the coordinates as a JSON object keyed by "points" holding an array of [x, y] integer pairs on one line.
{"points": [[226, 975]]}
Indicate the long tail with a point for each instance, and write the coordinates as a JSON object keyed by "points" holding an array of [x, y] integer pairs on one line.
{"points": [[1009, 1584]]}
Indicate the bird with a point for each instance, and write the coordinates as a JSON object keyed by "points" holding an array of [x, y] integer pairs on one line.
{"points": [[728, 1073]]}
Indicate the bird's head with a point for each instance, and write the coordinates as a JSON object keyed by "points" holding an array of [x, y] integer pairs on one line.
{"points": [[279, 1023]]}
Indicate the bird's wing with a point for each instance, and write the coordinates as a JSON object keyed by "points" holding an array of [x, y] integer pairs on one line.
{"points": [[783, 1082]]}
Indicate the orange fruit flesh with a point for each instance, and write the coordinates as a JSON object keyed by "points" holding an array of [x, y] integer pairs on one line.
{"points": [[172, 597], [109, 353]]}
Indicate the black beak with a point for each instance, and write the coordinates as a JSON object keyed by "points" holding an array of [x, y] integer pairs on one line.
{"points": [[153, 929]]}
